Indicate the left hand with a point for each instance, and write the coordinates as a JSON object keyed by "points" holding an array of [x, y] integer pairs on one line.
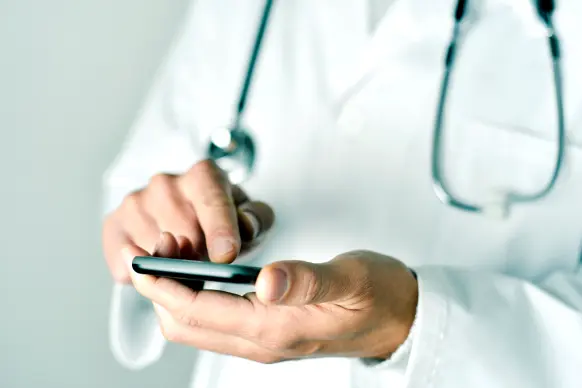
{"points": [[360, 304]]}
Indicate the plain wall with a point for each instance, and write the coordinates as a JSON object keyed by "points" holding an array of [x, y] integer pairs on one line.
{"points": [[72, 76]]}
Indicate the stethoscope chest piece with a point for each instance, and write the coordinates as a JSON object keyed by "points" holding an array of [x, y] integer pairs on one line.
{"points": [[232, 148], [234, 151]]}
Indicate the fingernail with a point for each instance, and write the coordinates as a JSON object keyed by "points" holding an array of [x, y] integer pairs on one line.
{"points": [[277, 290], [254, 223], [221, 247]]}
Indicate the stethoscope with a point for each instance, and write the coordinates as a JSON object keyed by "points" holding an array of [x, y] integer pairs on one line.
{"points": [[233, 148]]}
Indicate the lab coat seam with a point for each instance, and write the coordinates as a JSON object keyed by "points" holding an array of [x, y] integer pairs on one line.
{"points": [[118, 323], [438, 353], [433, 317]]}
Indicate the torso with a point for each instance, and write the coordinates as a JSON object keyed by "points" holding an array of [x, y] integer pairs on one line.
{"points": [[350, 168]]}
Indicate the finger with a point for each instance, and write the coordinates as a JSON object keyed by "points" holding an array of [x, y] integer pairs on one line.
{"points": [[113, 239], [209, 191], [172, 212], [213, 310], [186, 249], [209, 340], [135, 220], [167, 246], [238, 195], [187, 253], [302, 283], [255, 220]]}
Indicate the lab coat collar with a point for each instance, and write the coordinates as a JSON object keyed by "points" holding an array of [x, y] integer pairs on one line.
{"points": [[411, 21], [405, 22]]}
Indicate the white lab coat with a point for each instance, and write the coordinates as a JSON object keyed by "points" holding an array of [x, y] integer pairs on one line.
{"points": [[343, 115]]}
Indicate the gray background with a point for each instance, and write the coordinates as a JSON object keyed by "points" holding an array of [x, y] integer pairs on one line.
{"points": [[72, 77]]}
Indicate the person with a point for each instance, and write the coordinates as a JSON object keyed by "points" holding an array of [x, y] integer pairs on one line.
{"points": [[368, 279]]}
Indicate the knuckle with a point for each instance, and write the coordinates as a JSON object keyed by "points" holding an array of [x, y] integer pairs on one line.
{"points": [[161, 185], [287, 338], [278, 340], [268, 359], [204, 168], [216, 198], [187, 320], [361, 267], [276, 332], [256, 328], [355, 255], [183, 315], [132, 202], [360, 274], [207, 169], [358, 262], [160, 179], [284, 343], [311, 280], [182, 221]]}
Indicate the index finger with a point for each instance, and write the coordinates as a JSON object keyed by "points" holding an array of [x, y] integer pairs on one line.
{"points": [[208, 309], [209, 191]]}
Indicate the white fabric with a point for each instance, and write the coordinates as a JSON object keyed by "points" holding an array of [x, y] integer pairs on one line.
{"points": [[376, 11], [343, 118]]}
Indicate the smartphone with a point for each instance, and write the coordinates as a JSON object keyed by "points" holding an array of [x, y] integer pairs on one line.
{"points": [[190, 270]]}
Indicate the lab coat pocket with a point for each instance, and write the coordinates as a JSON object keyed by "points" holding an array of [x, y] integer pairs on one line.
{"points": [[489, 159], [483, 160]]}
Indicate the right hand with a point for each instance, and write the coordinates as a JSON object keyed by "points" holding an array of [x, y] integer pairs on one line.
{"points": [[209, 216]]}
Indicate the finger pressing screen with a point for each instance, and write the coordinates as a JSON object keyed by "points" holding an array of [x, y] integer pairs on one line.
{"points": [[167, 246], [209, 191]]}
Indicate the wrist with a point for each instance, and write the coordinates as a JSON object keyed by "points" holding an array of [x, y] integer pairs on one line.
{"points": [[401, 329]]}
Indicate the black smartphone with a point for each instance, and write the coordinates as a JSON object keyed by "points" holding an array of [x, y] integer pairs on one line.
{"points": [[190, 270]]}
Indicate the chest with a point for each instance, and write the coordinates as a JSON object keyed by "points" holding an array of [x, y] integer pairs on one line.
{"points": [[345, 121]]}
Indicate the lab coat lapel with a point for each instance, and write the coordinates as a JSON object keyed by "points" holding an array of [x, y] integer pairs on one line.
{"points": [[405, 22], [340, 48]]}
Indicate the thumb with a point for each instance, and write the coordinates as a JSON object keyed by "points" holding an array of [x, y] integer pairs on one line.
{"points": [[297, 283]]}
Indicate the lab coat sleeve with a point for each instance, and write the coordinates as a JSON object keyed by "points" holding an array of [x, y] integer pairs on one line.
{"points": [[153, 146], [483, 329]]}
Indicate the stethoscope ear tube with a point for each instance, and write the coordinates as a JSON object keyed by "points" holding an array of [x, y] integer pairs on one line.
{"points": [[233, 148], [460, 10], [503, 199], [546, 7], [259, 39]]}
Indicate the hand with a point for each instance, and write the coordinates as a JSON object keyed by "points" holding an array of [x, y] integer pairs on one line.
{"points": [[360, 304], [206, 213]]}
